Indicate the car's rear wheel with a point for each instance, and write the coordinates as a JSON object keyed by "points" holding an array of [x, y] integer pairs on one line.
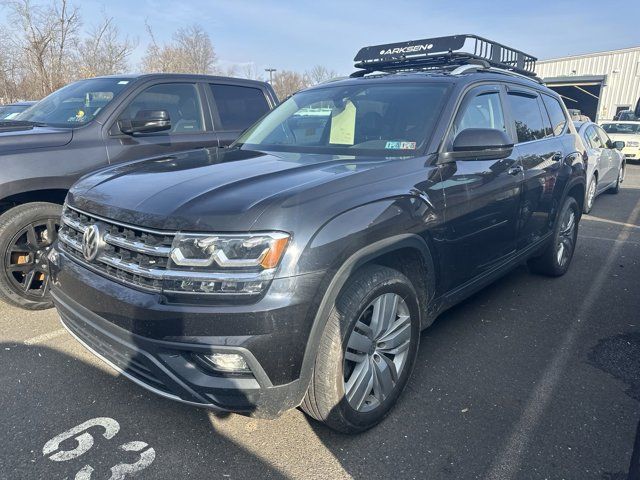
{"points": [[555, 259], [591, 194], [367, 351], [27, 233]]}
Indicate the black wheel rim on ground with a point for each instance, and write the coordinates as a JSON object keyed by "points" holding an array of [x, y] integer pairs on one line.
{"points": [[26, 258]]}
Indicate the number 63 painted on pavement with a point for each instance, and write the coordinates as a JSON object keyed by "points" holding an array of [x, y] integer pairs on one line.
{"points": [[85, 442]]}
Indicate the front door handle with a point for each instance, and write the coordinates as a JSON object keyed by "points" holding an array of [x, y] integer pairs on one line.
{"points": [[515, 170], [557, 157]]}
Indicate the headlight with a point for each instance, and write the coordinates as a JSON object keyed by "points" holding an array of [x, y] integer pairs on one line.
{"points": [[633, 144], [257, 251]]}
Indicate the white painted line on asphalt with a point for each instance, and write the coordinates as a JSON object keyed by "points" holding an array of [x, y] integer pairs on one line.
{"points": [[612, 222], [44, 337], [507, 464], [593, 237]]}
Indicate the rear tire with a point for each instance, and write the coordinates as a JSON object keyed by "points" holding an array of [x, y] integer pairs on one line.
{"points": [[26, 234], [359, 371], [556, 257]]}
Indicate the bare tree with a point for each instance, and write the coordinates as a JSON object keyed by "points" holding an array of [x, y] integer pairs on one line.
{"points": [[320, 73], [190, 51], [48, 35], [104, 51], [287, 82]]}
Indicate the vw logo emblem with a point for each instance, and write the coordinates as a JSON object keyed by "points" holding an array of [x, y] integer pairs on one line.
{"points": [[91, 242]]}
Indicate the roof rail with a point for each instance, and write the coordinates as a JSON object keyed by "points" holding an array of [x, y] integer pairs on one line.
{"points": [[443, 52]]}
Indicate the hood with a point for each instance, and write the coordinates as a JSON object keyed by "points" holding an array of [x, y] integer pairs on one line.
{"points": [[625, 137], [24, 137], [212, 190]]}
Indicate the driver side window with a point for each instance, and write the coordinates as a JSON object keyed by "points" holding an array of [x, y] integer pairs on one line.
{"points": [[483, 111], [180, 100]]}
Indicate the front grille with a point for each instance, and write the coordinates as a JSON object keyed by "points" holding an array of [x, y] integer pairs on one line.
{"points": [[134, 256]]}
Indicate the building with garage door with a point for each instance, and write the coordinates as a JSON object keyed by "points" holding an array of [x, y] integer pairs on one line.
{"points": [[598, 84]]}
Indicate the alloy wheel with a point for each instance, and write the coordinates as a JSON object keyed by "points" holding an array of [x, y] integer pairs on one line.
{"points": [[376, 352], [592, 194], [566, 238], [26, 258]]}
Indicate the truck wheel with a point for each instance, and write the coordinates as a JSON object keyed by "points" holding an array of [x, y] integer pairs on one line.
{"points": [[26, 234], [367, 351], [556, 257]]}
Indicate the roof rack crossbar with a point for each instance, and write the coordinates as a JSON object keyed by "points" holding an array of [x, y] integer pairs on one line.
{"points": [[441, 52]]}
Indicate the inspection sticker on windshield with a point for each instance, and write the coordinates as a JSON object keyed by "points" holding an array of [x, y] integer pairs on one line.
{"points": [[401, 146]]}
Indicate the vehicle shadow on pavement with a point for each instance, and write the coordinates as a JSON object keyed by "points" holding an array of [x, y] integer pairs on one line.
{"points": [[46, 392]]}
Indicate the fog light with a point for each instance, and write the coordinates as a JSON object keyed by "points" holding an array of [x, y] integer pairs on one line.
{"points": [[226, 362]]}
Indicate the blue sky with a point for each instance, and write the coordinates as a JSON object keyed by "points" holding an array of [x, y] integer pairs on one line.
{"points": [[299, 34]]}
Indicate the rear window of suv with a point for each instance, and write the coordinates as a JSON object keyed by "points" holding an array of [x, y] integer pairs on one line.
{"points": [[525, 111]]}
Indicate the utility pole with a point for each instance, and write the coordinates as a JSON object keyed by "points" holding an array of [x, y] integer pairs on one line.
{"points": [[270, 70]]}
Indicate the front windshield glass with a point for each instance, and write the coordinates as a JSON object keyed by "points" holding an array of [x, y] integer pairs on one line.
{"points": [[629, 128], [380, 119], [10, 111], [76, 104]]}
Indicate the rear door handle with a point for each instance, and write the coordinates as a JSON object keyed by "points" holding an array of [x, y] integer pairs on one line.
{"points": [[515, 170]]}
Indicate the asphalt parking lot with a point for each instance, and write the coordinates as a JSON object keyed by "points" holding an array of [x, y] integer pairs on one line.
{"points": [[533, 378]]}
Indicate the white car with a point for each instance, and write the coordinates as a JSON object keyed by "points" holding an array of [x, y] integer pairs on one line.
{"points": [[606, 166], [627, 132]]}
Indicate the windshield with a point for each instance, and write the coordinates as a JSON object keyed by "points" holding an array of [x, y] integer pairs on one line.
{"points": [[76, 104], [629, 128], [388, 120], [10, 111]]}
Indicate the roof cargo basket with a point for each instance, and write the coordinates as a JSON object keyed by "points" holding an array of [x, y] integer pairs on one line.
{"points": [[442, 53]]}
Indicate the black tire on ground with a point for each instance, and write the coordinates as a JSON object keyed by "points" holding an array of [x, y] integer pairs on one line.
{"points": [[12, 222], [616, 188], [550, 262], [326, 400], [588, 203]]}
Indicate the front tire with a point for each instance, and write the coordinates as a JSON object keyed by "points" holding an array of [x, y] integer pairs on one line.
{"points": [[591, 195], [556, 257], [367, 351], [26, 235], [616, 188]]}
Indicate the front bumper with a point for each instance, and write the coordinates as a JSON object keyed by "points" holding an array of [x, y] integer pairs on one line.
{"points": [[154, 343]]}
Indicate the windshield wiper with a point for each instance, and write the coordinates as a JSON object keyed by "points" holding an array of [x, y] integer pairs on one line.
{"points": [[21, 123]]}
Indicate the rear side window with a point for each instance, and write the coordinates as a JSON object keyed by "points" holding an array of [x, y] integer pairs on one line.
{"points": [[527, 117], [238, 107], [556, 113]]}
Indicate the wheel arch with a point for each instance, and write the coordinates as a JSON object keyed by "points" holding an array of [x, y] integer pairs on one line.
{"points": [[51, 195], [399, 252]]}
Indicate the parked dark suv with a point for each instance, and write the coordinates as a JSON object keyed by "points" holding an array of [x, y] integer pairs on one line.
{"points": [[91, 124], [299, 266]]}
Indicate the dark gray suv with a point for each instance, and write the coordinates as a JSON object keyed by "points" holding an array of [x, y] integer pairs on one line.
{"points": [[298, 266], [95, 123]]}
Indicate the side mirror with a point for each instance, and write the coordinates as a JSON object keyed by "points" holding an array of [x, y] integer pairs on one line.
{"points": [[479, 144], [618, 145], [146, 121]]}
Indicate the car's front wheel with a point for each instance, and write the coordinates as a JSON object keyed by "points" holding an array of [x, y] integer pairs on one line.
{"points": [[619, 180], [27, 233], [367, 351]]}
